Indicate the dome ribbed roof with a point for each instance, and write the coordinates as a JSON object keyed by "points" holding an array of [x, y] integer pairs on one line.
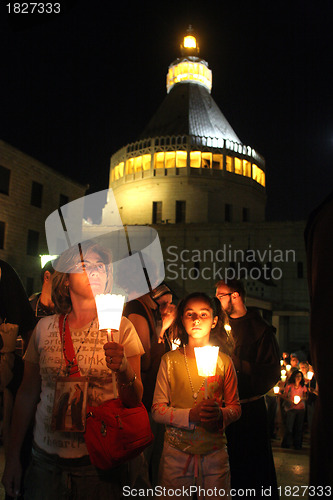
{"points": [[189, 109]]}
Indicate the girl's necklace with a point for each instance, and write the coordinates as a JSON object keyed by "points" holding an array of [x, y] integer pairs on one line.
{"points": [[70, 363], [195, 394]]}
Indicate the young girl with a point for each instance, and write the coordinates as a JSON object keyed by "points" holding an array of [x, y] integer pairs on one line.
{"points": [[295, 411], [195, 446]]}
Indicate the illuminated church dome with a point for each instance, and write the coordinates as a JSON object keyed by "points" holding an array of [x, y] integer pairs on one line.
{"points": [[188, 165]]}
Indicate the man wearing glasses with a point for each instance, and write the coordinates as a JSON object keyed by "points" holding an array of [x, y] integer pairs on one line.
{"points": [[256, 359]]}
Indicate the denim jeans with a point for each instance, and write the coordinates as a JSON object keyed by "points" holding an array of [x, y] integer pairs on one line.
{"points": [[294, 429], [50, 477]]}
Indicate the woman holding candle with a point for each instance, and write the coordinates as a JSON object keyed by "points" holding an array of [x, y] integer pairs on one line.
{"points": [[60, 465], [294, 395], [195, 445]]}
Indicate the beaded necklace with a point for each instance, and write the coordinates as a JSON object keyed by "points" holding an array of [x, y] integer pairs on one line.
{"points": [[195, 394]]}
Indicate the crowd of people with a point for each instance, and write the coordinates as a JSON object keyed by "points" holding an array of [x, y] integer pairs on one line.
{"points": [[209, 431], [292, 401]]}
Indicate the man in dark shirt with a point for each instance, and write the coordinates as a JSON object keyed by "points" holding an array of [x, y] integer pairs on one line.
{"points": [[41, 302], [257, 362]]}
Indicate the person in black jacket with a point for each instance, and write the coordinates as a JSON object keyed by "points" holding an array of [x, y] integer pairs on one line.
{"points": [[257, 361], [16, 318]]}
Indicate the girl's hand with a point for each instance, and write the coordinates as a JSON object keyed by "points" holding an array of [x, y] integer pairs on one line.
{"points": [[206, 412], [210, 411], [115, 356]]}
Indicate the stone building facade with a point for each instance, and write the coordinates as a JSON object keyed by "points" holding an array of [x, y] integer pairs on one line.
{"points": [[29, 192], [204, 191]]}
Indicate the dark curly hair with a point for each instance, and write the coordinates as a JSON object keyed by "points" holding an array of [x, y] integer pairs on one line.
{"points": [[219, 336], [292, 378]]}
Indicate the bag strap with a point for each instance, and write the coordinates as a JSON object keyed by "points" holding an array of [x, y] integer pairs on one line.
{"points": [[68, 348]]}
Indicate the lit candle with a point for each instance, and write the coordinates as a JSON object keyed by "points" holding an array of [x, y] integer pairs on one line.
{"points": [[206, 358], [283, 378], [283, 372], [281, 362], [276, 389], [296, 400], [288, 367], [109, 311], [309, 375]]}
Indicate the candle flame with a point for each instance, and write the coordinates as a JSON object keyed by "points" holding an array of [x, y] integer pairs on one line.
{"points": [[206, 358]]}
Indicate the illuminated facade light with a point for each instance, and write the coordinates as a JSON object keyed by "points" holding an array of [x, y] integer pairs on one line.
{"points": [[197, 159], [187, 71], [44, 259], [190, 42]]}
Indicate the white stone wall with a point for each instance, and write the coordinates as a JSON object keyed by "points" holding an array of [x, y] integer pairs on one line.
{"points": [[20, 216], [205, 196]]}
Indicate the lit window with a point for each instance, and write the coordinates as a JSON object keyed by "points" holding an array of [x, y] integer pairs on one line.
{"points": [[246, 168], [146, 161], [181, 159], [130, 166], [238, 166], [138, 164], [206, 160], [159, 160], [258, 175], [170, 159], [185, 71], [217, 162], [190, 42], [229, 165], [195, 159], [118, 171]]}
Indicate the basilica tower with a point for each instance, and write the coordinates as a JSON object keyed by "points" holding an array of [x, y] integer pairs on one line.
{"points": [[188, 165]]}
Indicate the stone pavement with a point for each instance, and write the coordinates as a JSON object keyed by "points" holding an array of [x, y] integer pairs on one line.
{"points": [[292, 469]]}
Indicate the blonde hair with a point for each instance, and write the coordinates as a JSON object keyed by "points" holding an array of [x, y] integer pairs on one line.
{"points": [[67, 262]]}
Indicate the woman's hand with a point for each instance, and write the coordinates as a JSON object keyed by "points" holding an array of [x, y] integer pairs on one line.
{"points": [[168, 315], [115, 357]]}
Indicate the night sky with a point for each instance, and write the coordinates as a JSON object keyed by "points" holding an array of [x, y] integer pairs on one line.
{"points": [[76, 87]]}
